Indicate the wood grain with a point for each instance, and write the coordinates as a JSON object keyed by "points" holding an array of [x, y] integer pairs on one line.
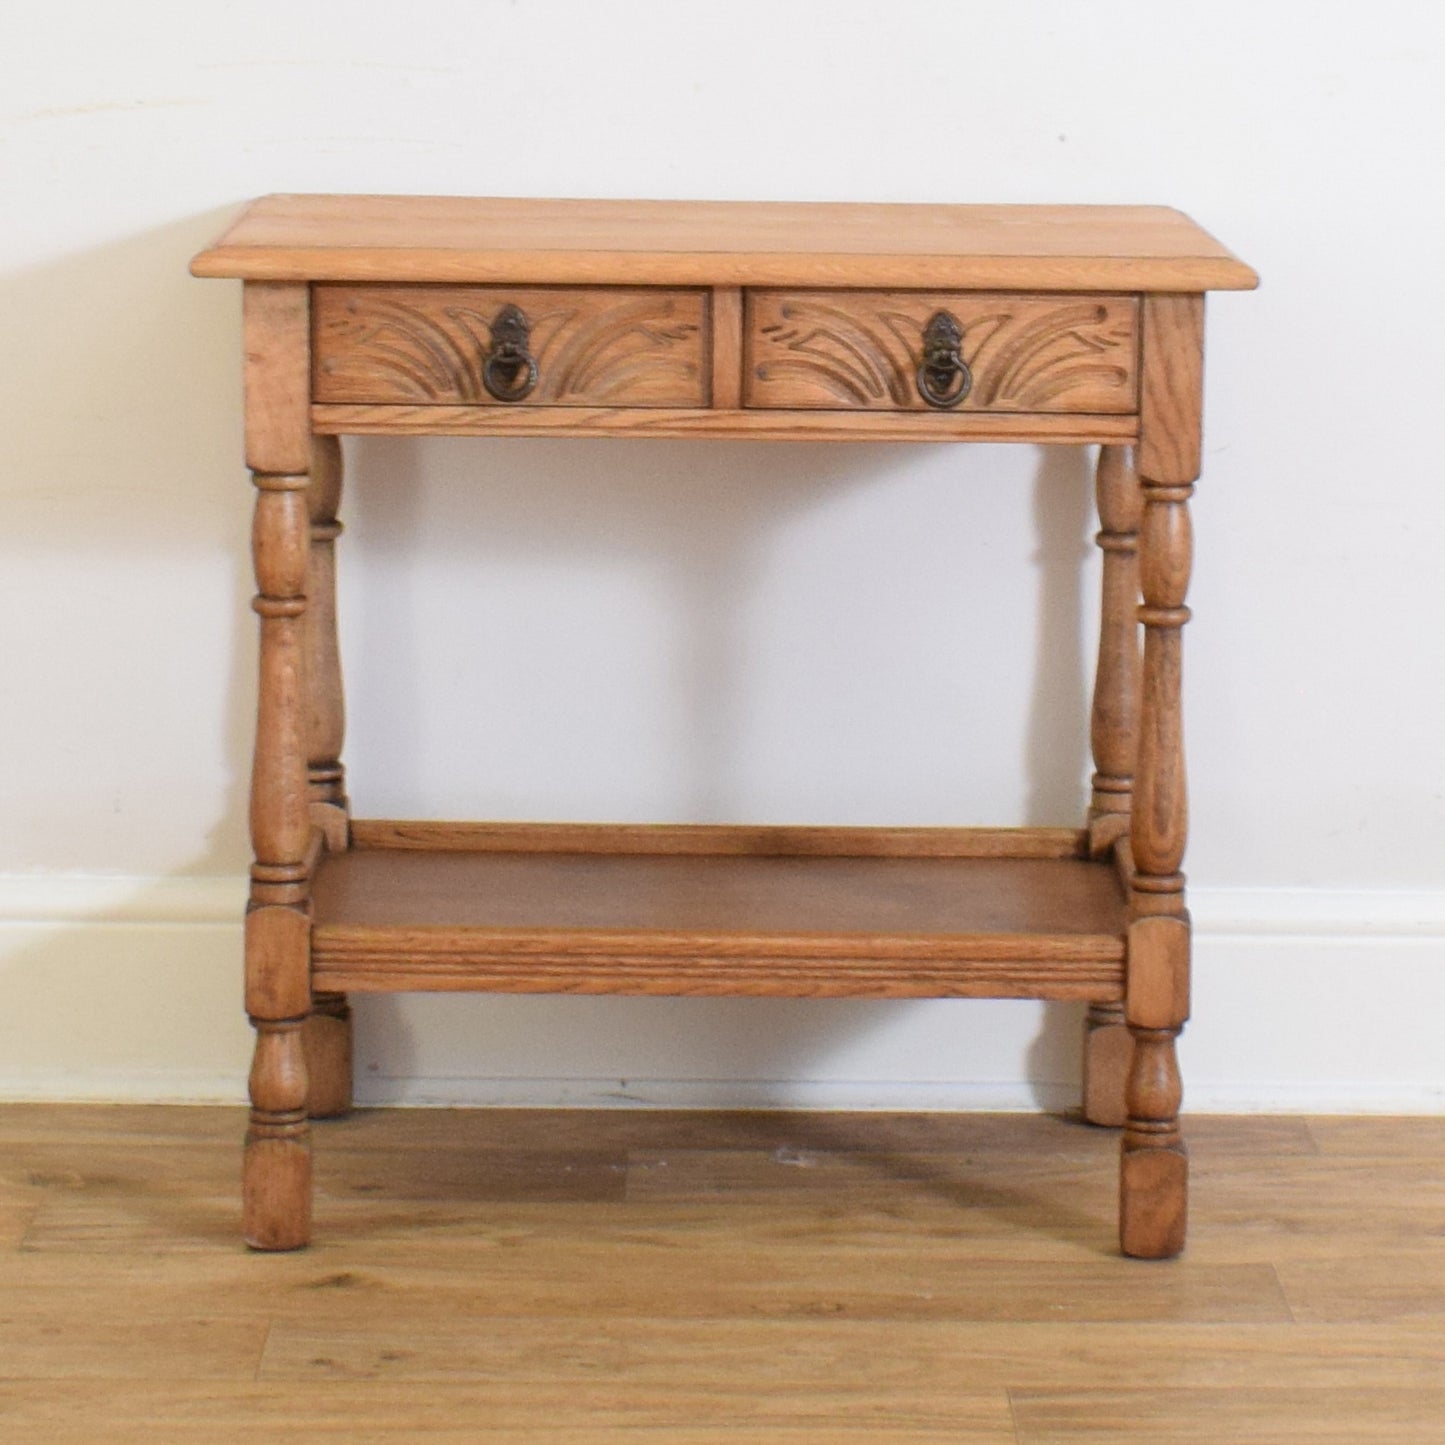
{"points": [[681, 422], [411, 961], [1114, 720], [277, 952], [697, 840], [769, 1279], [1378, 1285], [280, 815], [1353, 1135], [276, 1172], [604, 1411], [599, 346], [276, 375], [1108, 1050], [325, 696], [326, 1038], [1159, 820], [1081, 324], [862, 349], [780, 925], [1171, 399], [1154, 1165], [803, 912], [1159, 948], [702, 243], [1263, 1415], [699, 910], [756, 895], [727, 348], [1113, 737]]}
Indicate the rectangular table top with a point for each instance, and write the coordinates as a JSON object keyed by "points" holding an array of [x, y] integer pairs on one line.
{"points": [[721, 243]]}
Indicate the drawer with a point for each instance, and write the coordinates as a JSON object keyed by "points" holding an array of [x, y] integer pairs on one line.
{"points": [[847, 350], [582, 346]]}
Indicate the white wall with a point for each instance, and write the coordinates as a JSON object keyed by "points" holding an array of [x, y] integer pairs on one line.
{"points": [[723, 631]]}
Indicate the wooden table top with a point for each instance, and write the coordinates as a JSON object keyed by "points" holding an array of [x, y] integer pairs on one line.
{"points": [[721, 243]]}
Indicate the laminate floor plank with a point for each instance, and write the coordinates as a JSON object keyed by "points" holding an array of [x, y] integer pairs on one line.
{"points": [[683, 1130], [536, 1175], [1365, 1136], [1279, 1416], [390, 1229], [16, 1218], [1323, 1193], [1398, 1286], [773, 1358], [531, 1276], [74, 1125], [41, 1342], [731, 1286], [1054, 1135], [516, 1409], [653, 1130], [665, 1283]]}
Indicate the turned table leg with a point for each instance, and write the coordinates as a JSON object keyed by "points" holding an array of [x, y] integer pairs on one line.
{"points": [[276, 1182], [1154, 1171], [326, 1035], [327, 1042], [1113, 735]]}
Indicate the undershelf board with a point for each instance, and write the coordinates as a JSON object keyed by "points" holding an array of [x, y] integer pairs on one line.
{"points": [[720, 912]]}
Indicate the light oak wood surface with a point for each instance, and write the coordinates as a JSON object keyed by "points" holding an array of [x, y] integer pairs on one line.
{"points": [[800, 912], [727, 347], [594, 346], [721, 243], [782, 926], [400, 315], [276, 349], [683, 423], [838, 350], [576, 1276], [280, 451], [720, 840], [326, 1035], [1113, 737]]}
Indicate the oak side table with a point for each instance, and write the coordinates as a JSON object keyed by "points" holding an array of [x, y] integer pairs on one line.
{"points": [[389, 314]]}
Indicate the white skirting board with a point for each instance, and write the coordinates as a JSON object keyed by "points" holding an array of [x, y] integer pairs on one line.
{"points": [[1304, 1001]]}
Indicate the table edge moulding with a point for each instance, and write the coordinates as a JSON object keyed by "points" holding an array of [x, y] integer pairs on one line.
{"points": [[504, 317]]}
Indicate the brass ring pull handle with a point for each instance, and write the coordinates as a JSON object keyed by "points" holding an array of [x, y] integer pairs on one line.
{"points": [[943, 375], [510, 370]]}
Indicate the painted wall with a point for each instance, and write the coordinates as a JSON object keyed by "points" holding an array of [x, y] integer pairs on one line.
{"points": [[723, 631]]}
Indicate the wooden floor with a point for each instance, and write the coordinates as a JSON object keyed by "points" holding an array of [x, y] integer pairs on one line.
{"points": [[561, 1278]]}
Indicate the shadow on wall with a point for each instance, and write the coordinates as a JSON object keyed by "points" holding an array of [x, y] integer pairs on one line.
{"points": [[130, 663], [127, 515], [126, 508], [704, 522]]}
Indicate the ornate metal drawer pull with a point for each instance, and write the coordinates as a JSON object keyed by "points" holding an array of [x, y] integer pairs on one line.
{"points": [[943, 375], [510, 370]]}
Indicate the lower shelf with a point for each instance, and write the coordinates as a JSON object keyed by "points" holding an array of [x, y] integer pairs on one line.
{"points": [[802, 912]]}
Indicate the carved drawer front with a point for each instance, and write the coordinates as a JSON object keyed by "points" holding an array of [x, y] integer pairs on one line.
{"points": [[463, 345], [840, 350]]}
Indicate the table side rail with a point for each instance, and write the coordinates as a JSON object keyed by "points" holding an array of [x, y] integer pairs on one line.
{"points": [[765, 840], [678, 423], [541, 961]]}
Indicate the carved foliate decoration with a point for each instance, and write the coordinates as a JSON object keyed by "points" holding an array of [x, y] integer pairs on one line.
{"points": [[430, 346], [864, 349]]}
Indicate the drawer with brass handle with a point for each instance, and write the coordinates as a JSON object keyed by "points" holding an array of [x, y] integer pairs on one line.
{"points": [[507, 345], [922, 351]]}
